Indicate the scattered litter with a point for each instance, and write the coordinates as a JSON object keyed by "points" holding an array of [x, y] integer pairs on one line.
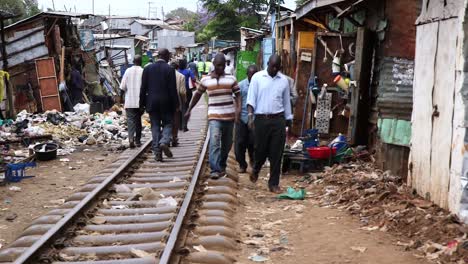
{"points": [[253, 242], [65, 160], [140, 253], [200, 248], [98, 220], [176, 179], [122, 188], [11, 216], [291, 193], [169, 201], [59, 201], [369, 228], [146, 194], [360, 249], [119, 207], [258, 258], [15, 189]]}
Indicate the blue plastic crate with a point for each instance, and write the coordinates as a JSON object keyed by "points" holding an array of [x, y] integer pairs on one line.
{"points": [[15, 172]]}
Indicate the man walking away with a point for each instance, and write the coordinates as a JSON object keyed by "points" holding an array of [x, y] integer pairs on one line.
{"points": [[221, 113], [159, 97], [200, 68], [189, 79], [131, 85], [270, 102], [179, 114], [229, 70], [193, 67], [244, 135]]}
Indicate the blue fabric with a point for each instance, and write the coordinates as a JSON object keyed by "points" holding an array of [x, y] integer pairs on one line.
{"points": [[270, 95], [244, 90], [220, 144], [159, 121], [188, 76]]}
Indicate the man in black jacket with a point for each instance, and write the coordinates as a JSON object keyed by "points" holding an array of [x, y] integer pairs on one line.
{"points": [[158, 97]]}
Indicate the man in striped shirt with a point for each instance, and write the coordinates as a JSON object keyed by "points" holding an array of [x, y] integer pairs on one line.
{"points": [[222, 113]]}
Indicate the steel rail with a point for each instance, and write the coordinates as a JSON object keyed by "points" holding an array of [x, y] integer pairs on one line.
{"points": [[31, 255], [174, 235]]}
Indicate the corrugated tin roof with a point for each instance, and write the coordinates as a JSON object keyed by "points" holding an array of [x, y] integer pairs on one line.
{"points": [[48, 13], [395, 91], [149, 22], [310, 5]]}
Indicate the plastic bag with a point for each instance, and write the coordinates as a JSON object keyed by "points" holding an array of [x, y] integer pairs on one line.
{"points": [[292, 194], [81, 108]]}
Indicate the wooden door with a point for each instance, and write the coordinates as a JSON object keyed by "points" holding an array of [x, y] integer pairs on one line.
{"points": [[48, 87], [360, 97]]}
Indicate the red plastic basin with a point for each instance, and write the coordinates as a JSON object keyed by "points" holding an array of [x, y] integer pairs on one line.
{"points": [[321, 152]]}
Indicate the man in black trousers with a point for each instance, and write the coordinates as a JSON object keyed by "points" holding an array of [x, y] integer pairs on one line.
{"points": [[269, 107], [159, 97], [244, 135]]}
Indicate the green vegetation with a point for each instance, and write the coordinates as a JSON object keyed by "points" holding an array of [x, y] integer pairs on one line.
{"points": [[24, 8]]}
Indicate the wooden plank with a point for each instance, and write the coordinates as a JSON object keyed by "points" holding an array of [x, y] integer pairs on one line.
{"points": [[47, 78], [306, 39], [360, 100], [442, 99], [457, 166], [302, 80], [420, 156]]}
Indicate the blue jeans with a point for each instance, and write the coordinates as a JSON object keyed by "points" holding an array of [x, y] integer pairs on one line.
{"points": [[220, 144], [159, 121]]}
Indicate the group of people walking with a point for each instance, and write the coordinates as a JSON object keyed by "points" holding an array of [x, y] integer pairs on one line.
{"points": [[258, 109]]}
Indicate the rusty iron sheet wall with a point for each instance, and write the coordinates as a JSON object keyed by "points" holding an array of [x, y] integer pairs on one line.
{"points": [[395, 90]]}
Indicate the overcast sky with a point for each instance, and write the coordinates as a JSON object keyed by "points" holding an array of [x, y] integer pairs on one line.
{"points": [[126, 7]]}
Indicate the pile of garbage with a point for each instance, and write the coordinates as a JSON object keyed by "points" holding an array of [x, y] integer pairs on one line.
{"points": [[70, 128], [385, 204]]}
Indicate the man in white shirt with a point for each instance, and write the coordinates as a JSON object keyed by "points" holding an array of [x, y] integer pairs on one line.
{"points": [[131, 84], [269, 102], [229, 70]]}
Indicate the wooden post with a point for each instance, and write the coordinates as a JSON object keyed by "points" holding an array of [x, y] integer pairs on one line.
{"points": [[4, 53]]}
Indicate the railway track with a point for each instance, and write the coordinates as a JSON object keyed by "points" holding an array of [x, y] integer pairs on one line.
{"points": [[138, 211]]}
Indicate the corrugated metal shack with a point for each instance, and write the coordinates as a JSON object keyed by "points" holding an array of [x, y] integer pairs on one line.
{"points": [[375, 39], [28, 42]]}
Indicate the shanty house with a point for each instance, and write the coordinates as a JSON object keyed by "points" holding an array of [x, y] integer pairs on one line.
{"points": [[34, 47]]}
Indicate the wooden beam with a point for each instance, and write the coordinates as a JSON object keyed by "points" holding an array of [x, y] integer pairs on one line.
{"points": [[350, 19], [314, 23]]}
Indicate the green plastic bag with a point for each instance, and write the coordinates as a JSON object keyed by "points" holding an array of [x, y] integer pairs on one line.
{"points": [[292, 194]]}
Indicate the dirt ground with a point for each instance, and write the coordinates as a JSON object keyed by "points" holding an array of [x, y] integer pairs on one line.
{"points": [[293, 232], [54, 180]]}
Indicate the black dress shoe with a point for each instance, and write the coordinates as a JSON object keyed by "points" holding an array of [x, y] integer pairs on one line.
{"points": [[158, 157], [132, 144], [275, 189], [166, 150], [253, 177]]}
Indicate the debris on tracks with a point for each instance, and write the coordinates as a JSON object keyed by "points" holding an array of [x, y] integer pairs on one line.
{"points": [[384, 203]]}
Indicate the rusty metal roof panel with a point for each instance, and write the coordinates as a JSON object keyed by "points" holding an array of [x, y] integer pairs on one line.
{"points": [[311, 5], [47, 14], [395, 91]]}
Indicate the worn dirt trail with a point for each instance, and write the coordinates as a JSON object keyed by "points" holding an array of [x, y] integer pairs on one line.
{"points": [[301, 232]]}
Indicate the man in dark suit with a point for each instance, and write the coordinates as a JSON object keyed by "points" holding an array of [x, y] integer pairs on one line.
{"points": [[158, 97]]}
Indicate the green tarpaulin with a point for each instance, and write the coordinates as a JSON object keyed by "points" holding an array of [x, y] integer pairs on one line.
{"points": [[244, 60]]}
